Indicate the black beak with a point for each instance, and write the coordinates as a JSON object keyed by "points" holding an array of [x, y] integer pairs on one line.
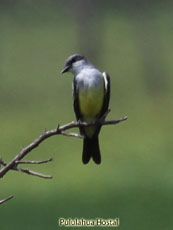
{"points": [[66, 69]]}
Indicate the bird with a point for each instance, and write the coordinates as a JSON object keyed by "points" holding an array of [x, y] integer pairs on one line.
{"points": [[91, 95]]}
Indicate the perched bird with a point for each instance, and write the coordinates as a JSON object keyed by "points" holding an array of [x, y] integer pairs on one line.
{"points": [[91, 94]]}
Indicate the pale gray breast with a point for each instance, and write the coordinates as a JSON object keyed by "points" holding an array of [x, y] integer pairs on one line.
{"points": [[90, 78]]}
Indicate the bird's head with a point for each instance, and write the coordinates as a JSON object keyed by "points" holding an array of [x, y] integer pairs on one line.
{"points": [[74, 63]]}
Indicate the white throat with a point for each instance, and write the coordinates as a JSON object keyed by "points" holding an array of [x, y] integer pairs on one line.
{"points": [[78, 66]]}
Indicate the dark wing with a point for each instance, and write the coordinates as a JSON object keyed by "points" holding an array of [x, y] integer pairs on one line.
{"points": [[76, 100], [106, 99], [76, 105], [107, 94]]}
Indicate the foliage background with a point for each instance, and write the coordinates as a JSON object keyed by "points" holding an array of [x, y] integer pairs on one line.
{"points": [[132, 41]]}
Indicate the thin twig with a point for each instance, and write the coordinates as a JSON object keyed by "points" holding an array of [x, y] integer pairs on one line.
{"points": [[71, 134], [30, 172], [6, 199], [34, 162], [27, 170], [2, 162]]}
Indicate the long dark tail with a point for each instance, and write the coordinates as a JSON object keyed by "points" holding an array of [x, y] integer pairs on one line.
{"points": [[91, 149]]}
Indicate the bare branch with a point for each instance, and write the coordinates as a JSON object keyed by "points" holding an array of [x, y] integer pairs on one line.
{"points": [[59, 130], [71, 134], [27, 171], [34, 162], [6, 199]]}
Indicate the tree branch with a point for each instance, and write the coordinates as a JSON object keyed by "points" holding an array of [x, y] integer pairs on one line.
{"points": [[6, 199], [27, 171], [71, 134], [34, 162], [60, 130]]}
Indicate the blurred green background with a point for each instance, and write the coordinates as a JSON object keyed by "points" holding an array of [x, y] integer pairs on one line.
{"points": [[132, 41]]}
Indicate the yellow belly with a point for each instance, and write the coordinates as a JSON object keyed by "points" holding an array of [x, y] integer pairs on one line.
{"points": [[91, 103]]}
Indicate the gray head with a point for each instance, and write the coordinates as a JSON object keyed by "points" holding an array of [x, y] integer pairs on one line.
{"points": [[74, 63]]}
